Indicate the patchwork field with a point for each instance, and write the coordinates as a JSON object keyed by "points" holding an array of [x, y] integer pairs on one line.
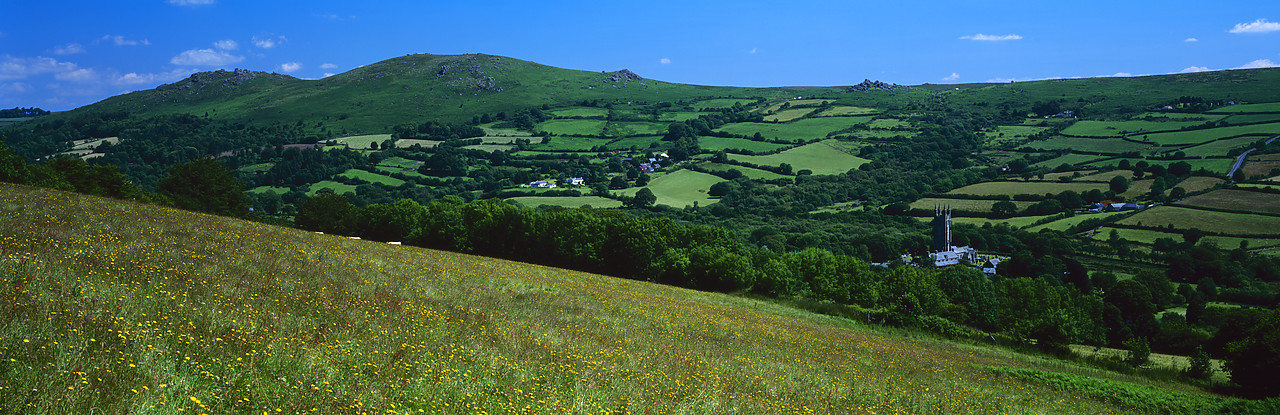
{"points": [[1198, 183], [1068, 159], [821, 157], [571, 127], [726, 143], [746, 171], [1016, 222], [1202, 136], [1093, 145], [679, 115], [1064, 223], [720, 103], [569, 143], [1218, 148], [1146, 236], [963, 204], [1238, 108], [1087, 128], [801, 130], [339, 188], [1230, 199], [567, 201], [1010, 135], [1210, 221], [410, 142], [788, 114], [844, 111], [1030, 188], [1259, 167], [371, 177], [629, 128], [637, 142], [1215, 165], [360, 142], [585, 112], [680, 188]]}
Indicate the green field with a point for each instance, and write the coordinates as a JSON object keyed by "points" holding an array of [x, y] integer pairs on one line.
{"points": [[1209, 221], [571, 127], [201, 314], [410, 142], [567, 201], [679, 115], [1085, 128], [844, 111], [1198, 183], [754, 174], [962, 204], [822, 158], [257, 168], [1064, 223], [788, 114], [1069, 159], [719, 103], [807, 129], [339, 188], [1010, 135], [1215, 165], [361, 142], [490, 147], [275, 189], [637, 142], [1016, 222], [1218, 148], [1203, 136], [629, 128], [680, 188], [371, 177], [1261, 107], [1148, 237], [1236, 200], [1093, 145], [585, 112], [888, 123], [881, 134], [569, 143], [1253, 118], [723, 143], [1029, 188]]}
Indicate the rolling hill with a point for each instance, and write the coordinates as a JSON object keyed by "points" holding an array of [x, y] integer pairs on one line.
{"points": [[129, 308]]}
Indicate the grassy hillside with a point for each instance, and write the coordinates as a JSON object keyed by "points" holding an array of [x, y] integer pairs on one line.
{"points": [[125, 308]]}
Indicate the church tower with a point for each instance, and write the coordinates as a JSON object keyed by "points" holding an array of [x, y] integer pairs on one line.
{"points": [[941, 228]]}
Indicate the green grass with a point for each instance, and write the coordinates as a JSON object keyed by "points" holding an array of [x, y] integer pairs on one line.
{"points": [[586, 112], [567, 201], [822, 158], [206, 314], [807, 129], [719, 103], [1230, 199], [962, 204], [339, 188], [1203, 136], [1086, 128], [637, 142], [371, 177], [255, 168], [724, 143], [571, 127], [788, 114], [680, 188], [746, 171], [1253, 118], [1064, 223], [1030, 188], [1146, 236], [1016, 222], [1094, 145], [569, 143], [401, 163], [1010, 135], [1218, 148], [1186, 218], [410, 142], [1215, 165], [362, 142], [490, 147], [844, 111], [679, 115], [629, 128], [276, 189], [1240, 108], [1198, 183], [1069, 158]]}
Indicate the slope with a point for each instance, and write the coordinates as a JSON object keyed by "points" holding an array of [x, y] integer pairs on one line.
{"points": [[128, 308]]}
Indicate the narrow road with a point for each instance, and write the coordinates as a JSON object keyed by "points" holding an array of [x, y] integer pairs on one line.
{"points": [[1240, 160]]}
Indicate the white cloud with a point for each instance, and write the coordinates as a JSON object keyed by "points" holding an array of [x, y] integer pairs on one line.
{"points": [[20, 68], [269, 41], [15, 88], [665, 61], [1117, 75], [226, 44], [69, 49], [78, 75], [1260, 63], [134, 78], [122, 41], [326, 75], [288, 67], [328, 66], [952, 77], [1191, 40], [191, 3], [1258, 26], [991, 38], [205, 57], [1191, 69], [752, 51]]}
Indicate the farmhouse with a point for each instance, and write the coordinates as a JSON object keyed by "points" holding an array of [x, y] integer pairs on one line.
{"points": [[542, 184], [577, 181]]}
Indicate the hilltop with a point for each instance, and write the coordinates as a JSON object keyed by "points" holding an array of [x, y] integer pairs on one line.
{"points": [[132, 308]]}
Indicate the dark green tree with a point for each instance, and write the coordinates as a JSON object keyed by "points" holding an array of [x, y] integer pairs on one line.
{"points": [[205, 185], [644, 198]]}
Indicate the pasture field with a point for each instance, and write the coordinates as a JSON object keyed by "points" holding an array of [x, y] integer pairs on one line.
{"points": [[823, 157], [1016, 222], [788, 114], [1086, 128], [255, 168], [810, 103], [1158, 360], [1236, 200], [1253, 168], [1138, 188], [410, 142], [808, 129], [754, 174], [1069, 159], [1148, 237], [197, 313], [1064, 223], [1009, 135], [274, 189], [1216, 165], [362, 142], [1202, 136], [1059, 175], [569, 143], [888, 123], [490, 147], [571, 127], [844, 111], [371, 177], [881, 134], [339, 188], [1205, 220], [629, 128], [93, 143], [490, 130], [718, 103], [1179, 116], [596, 202], [962, 204], [1218, 148], [5, 122], [1253, 118], [680, 188], [1093, 145], [1260, 186], [1239, 108], [723, 143], [1030, 188], [679, 115], [637, 142], [583, 112], [401, 163], [1197, 183]]}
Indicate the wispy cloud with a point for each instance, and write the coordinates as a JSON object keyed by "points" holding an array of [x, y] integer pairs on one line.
{"points": [[288, 67], [123, 41], [1192, 69], [16, 88], [1258, 26], [952, 77], [83, 75], [326, 75], [69, 49], [205, 57], [665, 61], [21, 68], [226, 44], [269, 41], [1117, 75], [752, 51], [190, 3], [1260, 63], [134, 78], [991, 38], [1191, 40], [328, 66]]}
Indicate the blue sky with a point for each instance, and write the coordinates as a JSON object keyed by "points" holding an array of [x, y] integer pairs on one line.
{"points": [[60, 55]]}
